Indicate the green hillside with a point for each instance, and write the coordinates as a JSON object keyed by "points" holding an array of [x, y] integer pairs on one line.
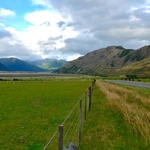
{"points": [[49, 64]]}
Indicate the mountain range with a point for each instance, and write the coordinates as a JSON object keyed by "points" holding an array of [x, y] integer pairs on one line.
{"points": [[111, 61], [49, 64], [43, 65], [3, 68], [14, 64]]}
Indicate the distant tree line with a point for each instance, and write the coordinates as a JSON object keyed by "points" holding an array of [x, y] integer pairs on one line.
{"points": [[131, 76]]}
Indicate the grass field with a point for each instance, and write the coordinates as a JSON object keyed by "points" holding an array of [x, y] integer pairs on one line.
{"points": [[30, 111], [118, 120]]}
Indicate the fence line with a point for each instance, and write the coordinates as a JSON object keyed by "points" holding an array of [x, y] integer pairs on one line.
{"points": [[60, 131], [74, 130], [71, 125], [70, 113], [80, 123], [50, 140]]}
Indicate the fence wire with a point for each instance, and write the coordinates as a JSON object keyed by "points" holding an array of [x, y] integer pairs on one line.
{"points": [[71, 125], [73, 122]]}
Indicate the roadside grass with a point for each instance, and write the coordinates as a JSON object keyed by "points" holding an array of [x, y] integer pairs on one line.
{"points": [[146, 80], [145, 92], [119, 119], [32, 110]]}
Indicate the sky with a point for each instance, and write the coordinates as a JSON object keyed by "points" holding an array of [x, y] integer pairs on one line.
{"points": [[68, 29]]}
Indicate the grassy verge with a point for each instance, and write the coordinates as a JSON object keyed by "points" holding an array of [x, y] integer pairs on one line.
{"points": [[144, 92], [32, 110], [119, 119]]}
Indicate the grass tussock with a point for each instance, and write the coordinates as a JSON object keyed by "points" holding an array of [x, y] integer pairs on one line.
{"points": [[134, 107]]}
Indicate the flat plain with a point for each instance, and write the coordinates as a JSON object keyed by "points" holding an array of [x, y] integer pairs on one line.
{"points": [[30, 111]]}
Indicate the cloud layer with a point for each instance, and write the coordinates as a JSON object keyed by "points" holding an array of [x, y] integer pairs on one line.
{"points": [[6, 12], [68, 29]]}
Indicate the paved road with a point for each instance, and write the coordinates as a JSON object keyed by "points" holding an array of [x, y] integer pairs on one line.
{"points": [[133, 83]]}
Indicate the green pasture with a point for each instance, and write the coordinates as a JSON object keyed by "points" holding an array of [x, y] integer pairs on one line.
{"points": [[31, 111]]}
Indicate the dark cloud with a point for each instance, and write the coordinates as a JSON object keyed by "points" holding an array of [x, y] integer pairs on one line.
{"points": [[4, 33], [107, 22], [143, 15], [49, 45], [61, 23], [11, 46], [17, 49]]}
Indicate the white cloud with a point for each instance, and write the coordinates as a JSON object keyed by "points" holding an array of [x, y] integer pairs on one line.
{"points": [[44, 16], [40, 2], [43, 38], [45, 29], [73, 56], [71, 28], [6, 12], [147, 9], [59, 54]]}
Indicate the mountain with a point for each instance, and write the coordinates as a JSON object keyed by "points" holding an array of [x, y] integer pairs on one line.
{"points": [[141, 68], [106, 61], [3, 68], [49, 64], [14, 64]]}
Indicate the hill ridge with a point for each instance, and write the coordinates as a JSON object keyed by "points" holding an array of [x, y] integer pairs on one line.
{"points": [[15, 64], [105, 61]]}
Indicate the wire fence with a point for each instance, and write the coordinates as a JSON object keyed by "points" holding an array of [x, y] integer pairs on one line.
{"points": [[69, 132]]}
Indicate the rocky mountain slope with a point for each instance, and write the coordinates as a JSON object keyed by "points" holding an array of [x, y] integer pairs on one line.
{"points": [[141, 68], [106, 61]]}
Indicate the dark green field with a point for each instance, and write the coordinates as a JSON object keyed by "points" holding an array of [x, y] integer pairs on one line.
{"points": [[31, 111]]}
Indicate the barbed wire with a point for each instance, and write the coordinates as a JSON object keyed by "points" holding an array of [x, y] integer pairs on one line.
{"points": [[50, 140], [74, 131], [75, 125], [70, 112], [71, 125], [63, 123]]}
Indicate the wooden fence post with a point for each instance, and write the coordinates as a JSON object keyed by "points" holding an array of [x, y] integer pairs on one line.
{"points": [[85, 107], [60, 140], [90, 95], [80, 122], [91, 88], [89, 98]]}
